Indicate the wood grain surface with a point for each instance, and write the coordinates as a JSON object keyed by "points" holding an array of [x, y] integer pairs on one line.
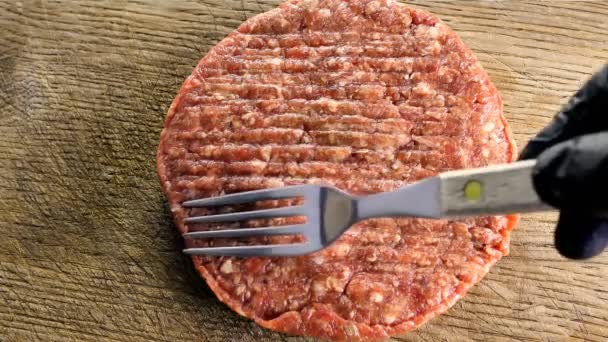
{"points": [[87, 247]]}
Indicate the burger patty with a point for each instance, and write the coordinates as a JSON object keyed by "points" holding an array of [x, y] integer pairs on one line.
{"points": [[363, 95]]}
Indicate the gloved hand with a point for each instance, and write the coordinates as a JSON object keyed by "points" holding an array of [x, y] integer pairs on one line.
{"points": [[571, 173]]}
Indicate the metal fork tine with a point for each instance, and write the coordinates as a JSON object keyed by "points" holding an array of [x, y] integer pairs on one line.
{"points": [[260, 250], [248, 215], [248, 196], [247, 232]]}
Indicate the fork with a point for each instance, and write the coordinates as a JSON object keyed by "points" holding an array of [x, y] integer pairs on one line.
{"points": [[329, 212]]}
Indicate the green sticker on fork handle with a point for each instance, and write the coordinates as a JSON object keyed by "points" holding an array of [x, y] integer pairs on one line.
{"points": [[473, 191]]}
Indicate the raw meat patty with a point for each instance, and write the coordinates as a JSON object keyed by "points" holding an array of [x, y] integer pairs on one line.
{"points": [[364, 95]]}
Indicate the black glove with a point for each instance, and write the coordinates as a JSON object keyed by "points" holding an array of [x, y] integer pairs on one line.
{"points": [[571, 173]]}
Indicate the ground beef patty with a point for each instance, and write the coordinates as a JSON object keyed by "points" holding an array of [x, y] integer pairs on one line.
{"points": [[364, 95]]}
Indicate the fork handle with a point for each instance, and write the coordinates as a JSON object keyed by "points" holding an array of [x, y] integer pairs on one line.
{"points": [[498, 189]]}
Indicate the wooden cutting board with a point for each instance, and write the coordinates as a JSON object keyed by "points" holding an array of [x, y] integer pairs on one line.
{"points": [[87, 247]]}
